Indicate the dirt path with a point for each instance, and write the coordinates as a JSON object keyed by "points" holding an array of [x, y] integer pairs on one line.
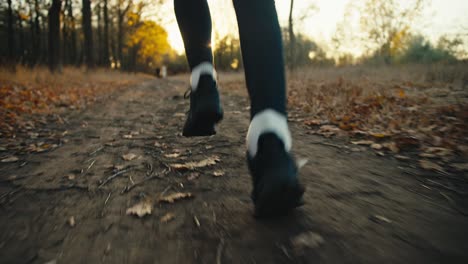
{"points": [[360, 208]]}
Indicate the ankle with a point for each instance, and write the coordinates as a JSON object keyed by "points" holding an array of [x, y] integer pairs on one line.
{"points": [[266, 122]]}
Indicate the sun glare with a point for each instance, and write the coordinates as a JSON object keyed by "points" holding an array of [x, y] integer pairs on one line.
{"points": [[320, 23]]}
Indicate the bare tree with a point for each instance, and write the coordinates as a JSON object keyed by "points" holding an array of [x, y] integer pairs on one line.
{"points": [[88, 34], [11, 37], [106, 35], [54, 35]]}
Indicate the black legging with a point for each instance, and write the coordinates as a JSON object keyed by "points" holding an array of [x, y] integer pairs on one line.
{"points": [[261, 44]]}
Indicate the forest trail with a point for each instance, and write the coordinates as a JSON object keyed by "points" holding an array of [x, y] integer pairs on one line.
{"points": [[69, 205]]}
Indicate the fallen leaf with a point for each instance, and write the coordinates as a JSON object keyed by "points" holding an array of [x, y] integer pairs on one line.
{"points": [[301, 163], [376, 146], [167, 217], [391, 146], [363, 142], [307, 240], [379, 135], [10, 159], [401, 157], [171, 198], [173, 155], [313, 122], [328, 130], [218, 173], [145, 207], [129, 156], [429, 165], [71, 221], [198, 164], [118, 167]]}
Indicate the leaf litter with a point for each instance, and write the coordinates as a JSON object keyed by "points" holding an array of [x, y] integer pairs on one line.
{"points": [[196, 164]]}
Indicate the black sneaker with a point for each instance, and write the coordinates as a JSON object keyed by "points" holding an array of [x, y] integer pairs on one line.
{"points": [[205, 109], [276, 187]]}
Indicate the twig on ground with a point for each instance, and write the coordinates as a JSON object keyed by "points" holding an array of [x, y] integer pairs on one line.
{"points": [[89, 167], [107, 199], [96, 151], [165, 190], [197, 222], [158, 175], [328, 144], [110, 178]]}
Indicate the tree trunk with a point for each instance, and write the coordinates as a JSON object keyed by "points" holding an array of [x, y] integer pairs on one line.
{"points": [[120, 34], [88, 34], [20, 55], [99, 33], [11, 37], [54, 35], [292, 37], [72, 48], [37, 29], [106, 35]]}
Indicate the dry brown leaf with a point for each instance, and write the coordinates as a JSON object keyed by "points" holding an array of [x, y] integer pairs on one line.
{"points": [[391, 146], [218, 173], [196, 164], [376, 146], [167, 217], [118, 167], [429, 165], [171, 198], [129, 156], [10, 159], [145, 207], [313, 122]]}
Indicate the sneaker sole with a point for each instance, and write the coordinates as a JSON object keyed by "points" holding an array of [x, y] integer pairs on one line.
{"points": [[205, 124]]}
